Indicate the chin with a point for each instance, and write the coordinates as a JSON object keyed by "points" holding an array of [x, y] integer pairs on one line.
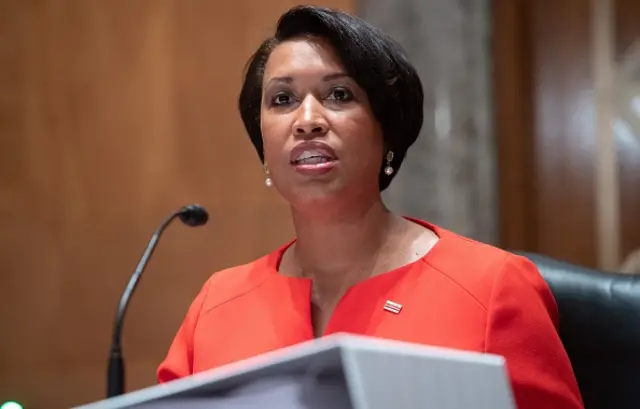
{"points": [[313, 194]]}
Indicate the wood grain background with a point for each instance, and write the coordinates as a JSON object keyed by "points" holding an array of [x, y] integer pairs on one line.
{"points": [[545, 119], [113, 113]]}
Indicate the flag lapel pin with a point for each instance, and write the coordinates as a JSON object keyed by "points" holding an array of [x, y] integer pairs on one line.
{"points": [[393, 307]]}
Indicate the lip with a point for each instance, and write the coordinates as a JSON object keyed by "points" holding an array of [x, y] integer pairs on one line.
{"points": [[314, 168]]}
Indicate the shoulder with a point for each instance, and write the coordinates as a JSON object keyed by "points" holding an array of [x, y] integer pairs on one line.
{"points": [[479, 268], [233, 282]]}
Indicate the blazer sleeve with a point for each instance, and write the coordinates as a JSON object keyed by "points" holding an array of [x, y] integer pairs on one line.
{"points": [[523, 328], [178, 362]]}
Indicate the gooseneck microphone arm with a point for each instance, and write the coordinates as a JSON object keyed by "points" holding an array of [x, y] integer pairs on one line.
{"points": [[191, 215]]}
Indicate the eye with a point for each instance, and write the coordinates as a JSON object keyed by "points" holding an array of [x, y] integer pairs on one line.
{"points": [[340, 94], [281, 99]]}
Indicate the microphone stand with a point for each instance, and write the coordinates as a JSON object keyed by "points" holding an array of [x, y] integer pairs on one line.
{"points": [[192, 215]]}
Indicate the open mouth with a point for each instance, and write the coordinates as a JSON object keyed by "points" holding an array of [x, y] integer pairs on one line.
{"points": [[312, 160], [312, 157]]}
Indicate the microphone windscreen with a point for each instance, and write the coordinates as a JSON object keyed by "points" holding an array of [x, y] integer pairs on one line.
{"points": [[194, 215]]}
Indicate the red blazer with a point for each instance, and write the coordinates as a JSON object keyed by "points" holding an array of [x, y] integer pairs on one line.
{"points": [[462, 294]]}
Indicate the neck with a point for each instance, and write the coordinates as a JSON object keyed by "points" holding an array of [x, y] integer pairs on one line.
{"points": [[342, 242]]}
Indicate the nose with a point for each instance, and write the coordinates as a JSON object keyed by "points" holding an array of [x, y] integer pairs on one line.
{"points": [[310, 121]]}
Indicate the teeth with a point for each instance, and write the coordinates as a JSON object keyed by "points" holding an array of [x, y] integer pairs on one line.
{"points": [[312, 157], [312, 160], [309, 154]]}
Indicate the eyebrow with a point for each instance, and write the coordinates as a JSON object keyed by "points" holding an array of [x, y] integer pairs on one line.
{"points": [[328, 77]]}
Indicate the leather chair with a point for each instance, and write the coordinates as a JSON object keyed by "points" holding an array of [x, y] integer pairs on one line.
{"points": [[600, 329]]}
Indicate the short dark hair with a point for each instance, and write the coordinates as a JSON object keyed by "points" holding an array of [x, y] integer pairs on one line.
{"points": [[373, 59]]}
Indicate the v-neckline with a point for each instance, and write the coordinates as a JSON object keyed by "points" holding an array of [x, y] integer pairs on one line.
{"points": [[342, 316]]}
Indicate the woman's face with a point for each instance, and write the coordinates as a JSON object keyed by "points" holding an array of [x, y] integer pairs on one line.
{"points": [[320, 136]]}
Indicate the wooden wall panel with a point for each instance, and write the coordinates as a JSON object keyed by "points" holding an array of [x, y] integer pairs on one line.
{"points": [[544, 115], [627, 40], [513, 123], [546, 118], [113, 114], [564, 129]]}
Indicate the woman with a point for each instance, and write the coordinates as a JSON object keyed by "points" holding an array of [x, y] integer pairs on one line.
{"points": [[332, 105]]}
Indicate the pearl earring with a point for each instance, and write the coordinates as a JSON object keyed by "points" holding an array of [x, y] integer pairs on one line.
{"points": [[268, 182], [388, 170]]}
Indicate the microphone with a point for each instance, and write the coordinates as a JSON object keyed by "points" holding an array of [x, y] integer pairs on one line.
{"points": [[192, 215]]}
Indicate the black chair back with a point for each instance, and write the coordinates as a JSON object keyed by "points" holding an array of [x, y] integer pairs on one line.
{"points": [[600, 329]]}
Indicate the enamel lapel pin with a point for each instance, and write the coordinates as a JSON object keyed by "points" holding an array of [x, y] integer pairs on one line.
{"points": [[393, 307]]}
